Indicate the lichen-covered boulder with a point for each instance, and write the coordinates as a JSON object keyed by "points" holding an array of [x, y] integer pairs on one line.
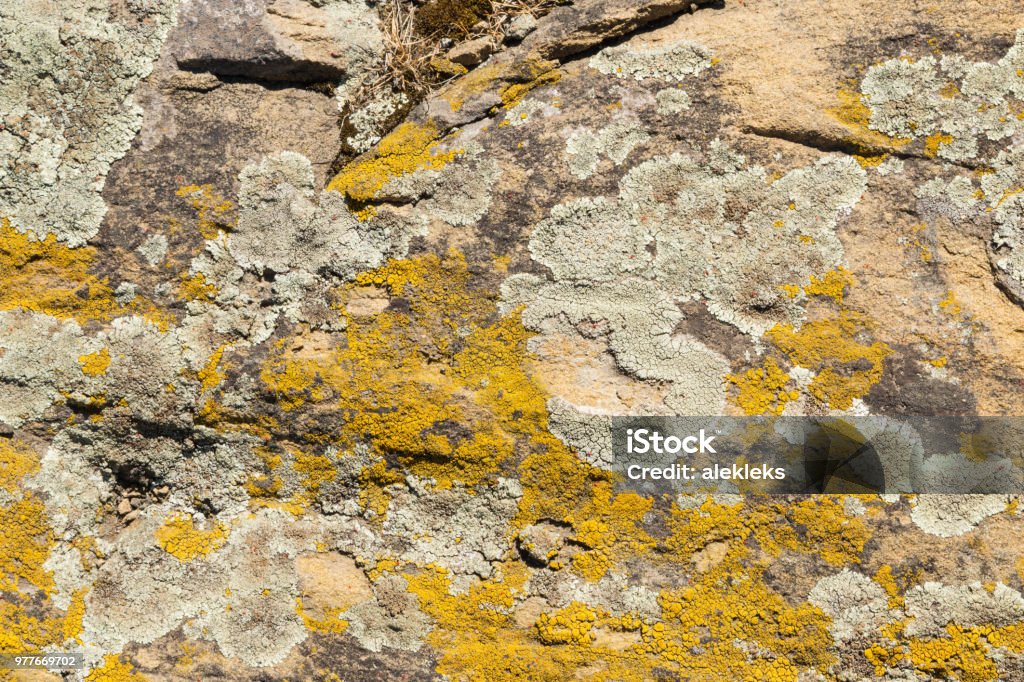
{"points": [[311, 336]]}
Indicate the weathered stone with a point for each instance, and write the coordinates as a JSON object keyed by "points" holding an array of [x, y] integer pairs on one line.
{"points": [[471, 52], [520, 27], [276, 40], [268, 411]]}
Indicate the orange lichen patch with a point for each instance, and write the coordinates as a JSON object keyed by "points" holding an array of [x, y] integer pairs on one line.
{"points": [[329, 624], [728, 624], [846, 368], [1010, 637], [28, 623], [755, 633], [872, 161], [43, 275], [964, 655], [1012, 192], [477, 82], [316, 470], [477, 635], [833, 284], [411, 147], [885, 577], [212, 374], [791, 290], [950, 90], [196, 288], [855, 115], [541, 73], [179, 537], [25, 536], [16, 462], [818, 526], [25, 541], [221, 417], [762, 390], [215, 213], [447, 67], [950, 305], [608, 527], [114, 670], [917, 241], [933, 143], [571, 625], [511, 82], [95, 364], [373, 483], [403, 378]]}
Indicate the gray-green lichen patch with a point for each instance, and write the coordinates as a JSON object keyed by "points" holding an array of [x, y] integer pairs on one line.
{"points": [[154, 249], [462, 194], [953, 102], [369, 122], [460, 532], [588, 434], [672, 101], [32, 375], [933, 606], [670, 62], [857, 605], [1004, 192], [968, 113], [392, 620], [66, 109], [615, 141], [685, 229], [286, 224], [242, 595], [948, 515]]}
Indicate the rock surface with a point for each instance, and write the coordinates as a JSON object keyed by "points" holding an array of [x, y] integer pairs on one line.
{"points": [[299, 384]]}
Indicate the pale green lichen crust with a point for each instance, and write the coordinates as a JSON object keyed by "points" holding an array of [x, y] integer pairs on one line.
{"points": [[66, 105], [362, 431]]}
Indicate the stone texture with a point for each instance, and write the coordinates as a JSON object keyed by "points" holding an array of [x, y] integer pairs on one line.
{"points": [[271, 412], [276, 40]]}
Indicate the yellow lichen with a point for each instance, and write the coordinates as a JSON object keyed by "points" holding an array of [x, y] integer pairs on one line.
{"points": [[95, 364], [950, 305], [571, 625], [329, 624], [196, 288], [870, 161], [962, 656], [179, 537], [114, 670], [934, 142], [316, 470], [28, 620], [855, 115], [395, 396], [215, 213], [543, 73], [211, 374], [409, 148], [762, 390], [447, 67], [43, 275], [950, 90], [833, 284], [846, 368]]}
